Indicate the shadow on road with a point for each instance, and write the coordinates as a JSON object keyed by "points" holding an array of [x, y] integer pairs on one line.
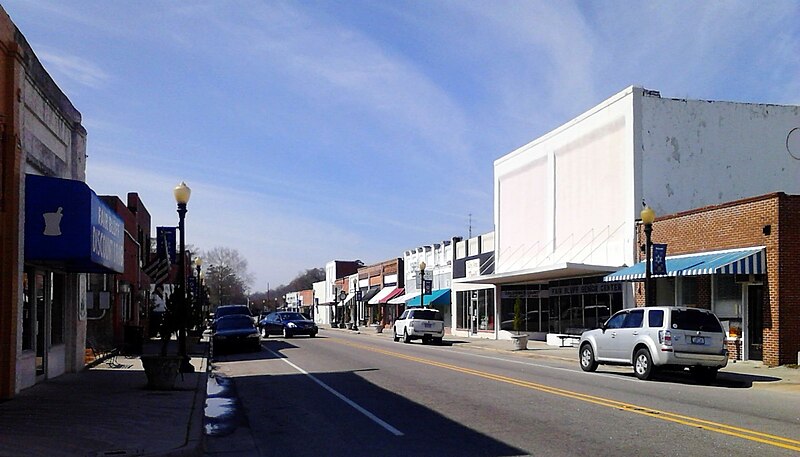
{"points": [[724, 379], [293, 414]]}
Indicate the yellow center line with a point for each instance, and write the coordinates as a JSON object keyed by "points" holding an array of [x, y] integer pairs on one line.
{"points": [[717, 427]]}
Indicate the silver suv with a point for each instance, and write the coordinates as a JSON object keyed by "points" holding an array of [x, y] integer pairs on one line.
{"points": [[426, 324], [657, 337]]}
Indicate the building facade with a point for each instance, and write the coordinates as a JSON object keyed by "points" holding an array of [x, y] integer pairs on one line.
{"points": [[739, 259], [473, 307], [54, 228], [566, 203]]}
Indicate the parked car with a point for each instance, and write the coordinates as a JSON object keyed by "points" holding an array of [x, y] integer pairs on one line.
{"points": [[426, 324], [236, 330], [288, 324], [227, 310], [659, 337]]}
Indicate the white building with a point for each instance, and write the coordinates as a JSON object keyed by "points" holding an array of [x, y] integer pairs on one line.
{"points": [[566, 204]]}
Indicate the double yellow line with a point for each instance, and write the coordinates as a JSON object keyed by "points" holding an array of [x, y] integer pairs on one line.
{"points": [[751, 435]]}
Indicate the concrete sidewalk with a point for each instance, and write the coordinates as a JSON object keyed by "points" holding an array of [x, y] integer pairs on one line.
{"points": [[106, 410], [753, 373]]}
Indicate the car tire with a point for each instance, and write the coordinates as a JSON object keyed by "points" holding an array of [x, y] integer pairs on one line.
{"points": [[395, 338], [588, 363], [286, 333], [643, 364], [264, 333], [406, 338], [426, 340], [437, 341], [312, 334]]}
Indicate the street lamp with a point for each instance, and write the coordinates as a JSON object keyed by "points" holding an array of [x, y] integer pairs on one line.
{"points": [[422, 283], [182, 194], [342, 296], [648, 216], [198, 262]]}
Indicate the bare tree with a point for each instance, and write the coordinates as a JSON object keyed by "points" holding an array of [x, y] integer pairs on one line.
{"points": [[227, 278]]}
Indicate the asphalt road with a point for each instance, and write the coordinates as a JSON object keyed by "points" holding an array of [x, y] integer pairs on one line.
{"points": [[345, 394]]}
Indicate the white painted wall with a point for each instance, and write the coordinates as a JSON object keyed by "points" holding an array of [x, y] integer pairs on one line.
{"points": [[697, 153], [573, 195], [568, 196]]}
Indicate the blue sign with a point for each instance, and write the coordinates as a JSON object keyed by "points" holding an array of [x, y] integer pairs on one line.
{"points": [[69, 227], [659, 259], [165, 243]]}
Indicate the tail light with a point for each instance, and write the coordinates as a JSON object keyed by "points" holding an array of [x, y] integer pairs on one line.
{"points": [[665, 337]]}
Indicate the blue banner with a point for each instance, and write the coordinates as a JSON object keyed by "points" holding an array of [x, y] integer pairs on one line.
{"points": [[165, 243], [659, 259], [69, 227]]}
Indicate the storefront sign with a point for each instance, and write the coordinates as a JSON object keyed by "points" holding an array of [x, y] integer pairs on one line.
{"points": [[583, 289], [69, 227], [473, 268]]}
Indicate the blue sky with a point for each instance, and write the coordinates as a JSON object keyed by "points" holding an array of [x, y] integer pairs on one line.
{"points": [[319, 130]]}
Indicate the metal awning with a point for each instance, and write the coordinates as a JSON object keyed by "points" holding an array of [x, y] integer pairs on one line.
{"points": [[546, 273], [731, 261]]}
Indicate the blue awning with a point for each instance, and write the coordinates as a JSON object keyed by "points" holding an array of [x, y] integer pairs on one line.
{"points": [[437, 297], [69, 227], [733, 261]]}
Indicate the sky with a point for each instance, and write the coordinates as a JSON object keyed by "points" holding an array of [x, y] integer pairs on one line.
{"points": [[310, 131]]}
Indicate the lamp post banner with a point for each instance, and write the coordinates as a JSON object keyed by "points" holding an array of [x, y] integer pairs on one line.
{"points": [[659, 259]]}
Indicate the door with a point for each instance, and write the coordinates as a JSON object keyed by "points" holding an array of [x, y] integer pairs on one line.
{"points": [[755, 322], [606, 340]]}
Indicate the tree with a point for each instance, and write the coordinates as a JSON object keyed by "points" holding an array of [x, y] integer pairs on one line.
{"points": [[227, 278]]}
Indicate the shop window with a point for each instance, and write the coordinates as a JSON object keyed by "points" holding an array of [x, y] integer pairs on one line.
{"points": [[728, 297], [57, 294], [690, 293], [27, 312], [665, 291]]}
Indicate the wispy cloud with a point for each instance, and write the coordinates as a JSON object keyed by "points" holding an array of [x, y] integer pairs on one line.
{"points": [[77, 69]]}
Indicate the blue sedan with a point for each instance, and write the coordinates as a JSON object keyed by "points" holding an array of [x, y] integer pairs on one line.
{"points": [[236, 330], [288, 324]]}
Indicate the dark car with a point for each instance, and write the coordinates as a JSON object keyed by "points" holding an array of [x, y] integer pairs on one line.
{"points": [[236, 330], [228, 310], [288, 324]]}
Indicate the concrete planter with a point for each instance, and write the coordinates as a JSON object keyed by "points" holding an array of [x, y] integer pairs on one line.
{"points": [[161, 370], [520, 342]]}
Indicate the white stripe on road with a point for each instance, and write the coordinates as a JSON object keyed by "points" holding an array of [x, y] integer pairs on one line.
{"points": [[330, 389]]}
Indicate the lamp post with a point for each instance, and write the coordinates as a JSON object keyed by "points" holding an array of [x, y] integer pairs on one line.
{"points": [[422, 283], [342, 296], [198, 262], [648, 216], [182, 194]]}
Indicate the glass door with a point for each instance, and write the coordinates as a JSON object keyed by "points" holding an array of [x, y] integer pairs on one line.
{"points": [[755, 322]]}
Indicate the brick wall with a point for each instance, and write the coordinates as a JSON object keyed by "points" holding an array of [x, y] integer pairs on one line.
{"points": [[771, 220]]}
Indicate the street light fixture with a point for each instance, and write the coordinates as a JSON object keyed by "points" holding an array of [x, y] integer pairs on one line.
{"points": [[648, 216], [182, 193], [422, 266]]}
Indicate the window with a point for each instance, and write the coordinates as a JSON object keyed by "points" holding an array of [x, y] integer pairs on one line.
{"points": [[728, 297], [634, 319], [690, 294], [27, 312], [695, 320], [665, 291], [655, 318], [616, 321]]}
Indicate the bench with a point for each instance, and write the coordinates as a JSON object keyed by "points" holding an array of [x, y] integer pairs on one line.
{"points": [[571, 334]]}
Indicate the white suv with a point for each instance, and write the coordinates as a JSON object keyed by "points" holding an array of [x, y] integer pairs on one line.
{"points": [[426, 324], [657, 337]]}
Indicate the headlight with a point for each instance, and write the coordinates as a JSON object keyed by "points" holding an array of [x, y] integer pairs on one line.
{"points": [[253, 335], [291, 325]]}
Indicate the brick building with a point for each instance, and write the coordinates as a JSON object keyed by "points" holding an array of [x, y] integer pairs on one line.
{"points": [[740, 259]]}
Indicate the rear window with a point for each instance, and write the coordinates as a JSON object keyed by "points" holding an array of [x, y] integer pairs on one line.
{"points": [[235, 321], [228, 310], [427, 314], [695, 320]]}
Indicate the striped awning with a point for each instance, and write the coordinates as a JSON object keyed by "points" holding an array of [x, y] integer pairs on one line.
{"points": [[728, 262]]}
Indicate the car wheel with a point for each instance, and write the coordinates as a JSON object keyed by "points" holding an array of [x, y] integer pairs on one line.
{"points": [[426, 340], [395, 338], [286, 333], [437, 341], [264, 333], [406, 338], [588, 363], [312, 334], [643, 364]]}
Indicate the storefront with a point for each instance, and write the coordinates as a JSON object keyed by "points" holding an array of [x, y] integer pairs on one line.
{"points": [[68, 231]]}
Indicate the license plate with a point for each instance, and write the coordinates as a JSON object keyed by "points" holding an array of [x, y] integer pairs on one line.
{"points": [[427, 325], [698, 340]]}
